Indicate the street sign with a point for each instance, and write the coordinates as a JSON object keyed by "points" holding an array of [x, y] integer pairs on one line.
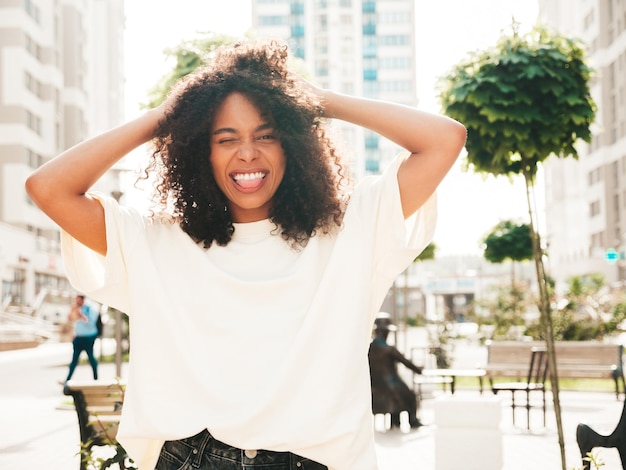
{"points": [[611, 255]]}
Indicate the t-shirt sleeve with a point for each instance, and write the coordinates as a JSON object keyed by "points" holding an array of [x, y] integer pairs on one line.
{"points": [[397, 240], [104, 278]]}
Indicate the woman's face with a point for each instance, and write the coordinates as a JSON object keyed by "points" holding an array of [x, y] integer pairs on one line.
{"points": [[247, 158]]}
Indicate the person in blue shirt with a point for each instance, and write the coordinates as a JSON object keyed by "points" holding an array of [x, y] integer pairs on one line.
{"points": [[85, 320]]}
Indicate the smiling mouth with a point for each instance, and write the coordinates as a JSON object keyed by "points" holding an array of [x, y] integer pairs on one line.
{"points": [[249, 180]]}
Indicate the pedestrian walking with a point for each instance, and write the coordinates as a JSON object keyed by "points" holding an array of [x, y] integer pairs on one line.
{"points": [[85, 319]]}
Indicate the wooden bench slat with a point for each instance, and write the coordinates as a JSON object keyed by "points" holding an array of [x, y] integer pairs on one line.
{"points": [[575, 359], [98, 407]]}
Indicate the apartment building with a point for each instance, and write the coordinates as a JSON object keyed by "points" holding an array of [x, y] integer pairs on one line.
{"points": [[61, 80], [360, 47], [586, 198]]}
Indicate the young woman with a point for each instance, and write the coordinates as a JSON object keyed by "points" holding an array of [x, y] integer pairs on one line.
{"points": [[253, 288]]}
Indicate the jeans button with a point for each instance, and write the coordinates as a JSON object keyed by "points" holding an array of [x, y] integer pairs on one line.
{"points": [[250, 453]]}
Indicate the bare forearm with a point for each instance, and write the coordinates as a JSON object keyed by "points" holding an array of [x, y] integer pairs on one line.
{"points": [[412, 129], [77, 169], [59, 186], [434, 141]]}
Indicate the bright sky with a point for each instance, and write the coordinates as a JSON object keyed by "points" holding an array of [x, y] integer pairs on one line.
{"points": [[447, 30]]}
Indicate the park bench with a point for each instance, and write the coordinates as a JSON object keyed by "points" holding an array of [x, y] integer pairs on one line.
{"points": [[574, 359], [98, 407]]}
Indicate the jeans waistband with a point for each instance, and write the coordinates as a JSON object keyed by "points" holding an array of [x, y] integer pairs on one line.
{"points": [[204, 443]]}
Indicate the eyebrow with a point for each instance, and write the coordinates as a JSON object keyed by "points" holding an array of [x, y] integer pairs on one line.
{"points": [[231, 130]]}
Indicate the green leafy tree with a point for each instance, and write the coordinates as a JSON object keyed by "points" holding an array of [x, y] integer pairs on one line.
{"points": [[506, 311], [191, 54], [187, 57], [523, 100], [508, 240], [427, 253], [589, 311]]}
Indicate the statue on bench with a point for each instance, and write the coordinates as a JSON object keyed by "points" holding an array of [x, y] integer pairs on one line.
{"points": [[390, 394]]}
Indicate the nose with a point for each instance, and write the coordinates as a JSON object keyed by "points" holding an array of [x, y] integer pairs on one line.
{"points": [[247, 151]]}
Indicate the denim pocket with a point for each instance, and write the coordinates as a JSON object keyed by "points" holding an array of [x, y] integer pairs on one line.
{"points": [[175, 455]]}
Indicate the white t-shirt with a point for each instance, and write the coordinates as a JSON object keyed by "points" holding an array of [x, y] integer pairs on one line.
{"points": [[263, 345]]}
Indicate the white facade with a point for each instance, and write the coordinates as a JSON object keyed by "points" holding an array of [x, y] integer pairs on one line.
{"points": [[586, 198], [358, 47], [61, 80]]}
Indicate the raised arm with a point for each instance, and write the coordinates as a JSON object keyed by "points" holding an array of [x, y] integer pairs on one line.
{"points": [[434, 141], [59, 186]]}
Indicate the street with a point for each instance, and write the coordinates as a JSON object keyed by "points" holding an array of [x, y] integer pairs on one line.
{"points": [[35, 416], [39, 428]]}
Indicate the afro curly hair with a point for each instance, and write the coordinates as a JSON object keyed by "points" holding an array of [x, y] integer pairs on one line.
{"points": [[311, 197]]}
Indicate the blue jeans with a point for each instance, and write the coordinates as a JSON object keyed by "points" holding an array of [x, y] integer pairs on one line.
{"points": [[80, 344], [203, 452]]}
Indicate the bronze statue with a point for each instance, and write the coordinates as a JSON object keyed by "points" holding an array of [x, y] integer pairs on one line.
{"points": [[389, 392]]}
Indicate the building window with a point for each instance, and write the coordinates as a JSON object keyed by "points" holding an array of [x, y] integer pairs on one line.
{"points": [[372, 166], [594, 176], [589, 19], [297, 31], [34, 159], [594, 209], [371, 142], [394, 17], [32, 47], [369, 28], [395, 63], [32, 10], [322, 22], [370, 89], [32, 84], [394, 40], [369, 6], [33, 122], [370, 74], [396, 86], [297, 7], [321, 46], [273, 20], [597, 241]]}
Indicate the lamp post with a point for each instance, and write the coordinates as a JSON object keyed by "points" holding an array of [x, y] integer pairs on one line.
{"points": [[117, 194]]}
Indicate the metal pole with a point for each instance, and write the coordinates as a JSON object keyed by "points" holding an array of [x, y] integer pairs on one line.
{"points": [[117, 194], [118, 343]]}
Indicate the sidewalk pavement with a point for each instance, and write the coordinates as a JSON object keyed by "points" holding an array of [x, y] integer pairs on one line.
{"points": [[41, 431]]}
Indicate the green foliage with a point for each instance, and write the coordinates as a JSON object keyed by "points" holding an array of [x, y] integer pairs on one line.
{"points": [[583, 286], [427, 253], [587, 311], [508, 240], [187, 56], [506, 310], [522, 100], [440, 344], [594, 460], [191, 54], [119, 459]]}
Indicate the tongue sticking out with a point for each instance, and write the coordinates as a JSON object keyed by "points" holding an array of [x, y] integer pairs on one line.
{"points": [[250, 183]]}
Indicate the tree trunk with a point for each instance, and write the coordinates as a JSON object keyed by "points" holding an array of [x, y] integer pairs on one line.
{"points": [[546, 315]]}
